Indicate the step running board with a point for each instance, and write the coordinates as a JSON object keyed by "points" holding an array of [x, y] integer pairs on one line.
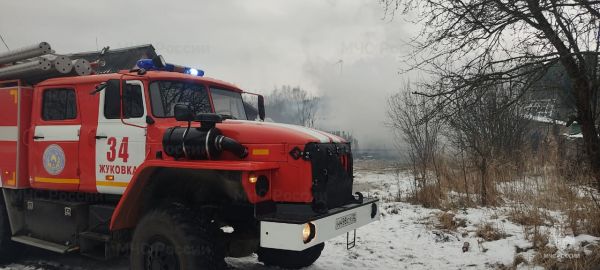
{"points": [[27, 240], [95, 236]]}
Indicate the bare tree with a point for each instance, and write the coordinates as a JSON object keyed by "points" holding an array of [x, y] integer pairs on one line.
{"points": [[293, 106], [408, 118], [306, 107], [488, 130], [471, 44]]}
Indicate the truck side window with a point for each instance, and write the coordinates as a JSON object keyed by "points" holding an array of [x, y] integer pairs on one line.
{"points": [[59, 104], [112, 103], [133, 104]]}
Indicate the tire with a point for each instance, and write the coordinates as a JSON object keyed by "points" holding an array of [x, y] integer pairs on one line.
{"points": [[290, 259], [175, 238]]}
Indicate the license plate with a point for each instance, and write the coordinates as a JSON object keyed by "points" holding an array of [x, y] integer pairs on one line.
{"points": [[345, 221]]}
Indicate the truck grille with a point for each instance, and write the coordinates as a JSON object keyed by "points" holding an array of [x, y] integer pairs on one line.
{"points": [[332, 174]]}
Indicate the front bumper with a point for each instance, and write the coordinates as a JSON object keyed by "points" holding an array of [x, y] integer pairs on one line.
{"points": [[287, 234]]}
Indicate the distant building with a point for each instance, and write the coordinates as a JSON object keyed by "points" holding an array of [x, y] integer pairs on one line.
{"points": [[549, 106], [551, 98]]}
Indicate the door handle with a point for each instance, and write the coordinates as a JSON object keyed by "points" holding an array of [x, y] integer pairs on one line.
{"points": [[37, 137], [100, 137]]}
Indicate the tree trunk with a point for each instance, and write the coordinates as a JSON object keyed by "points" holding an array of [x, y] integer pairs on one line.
{"points": [[588, 128], [483, 169], [464, 170]]}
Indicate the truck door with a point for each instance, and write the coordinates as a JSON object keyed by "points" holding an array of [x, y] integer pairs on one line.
{"points": [[120, 140], [54, 150]]}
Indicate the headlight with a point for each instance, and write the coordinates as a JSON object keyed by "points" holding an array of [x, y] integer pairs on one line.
{"points": [[308, 232], [252, 179]]}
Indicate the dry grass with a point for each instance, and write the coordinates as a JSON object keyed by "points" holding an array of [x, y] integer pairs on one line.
{"points": [[429, 196], [547, 258], [530, 216], [584, 219], [538, 238], [449, 222], [545, 181], [489, 232], [554, 179], [519, 259]]}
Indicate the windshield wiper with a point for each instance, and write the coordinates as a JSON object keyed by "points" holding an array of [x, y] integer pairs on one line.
{"points": [[227, 116]]}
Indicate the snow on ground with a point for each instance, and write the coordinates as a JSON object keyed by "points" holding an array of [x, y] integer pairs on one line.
{"points": [[407, 237]]}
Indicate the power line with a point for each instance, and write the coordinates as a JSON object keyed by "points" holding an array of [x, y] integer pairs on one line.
{"points": [[1, 38]]}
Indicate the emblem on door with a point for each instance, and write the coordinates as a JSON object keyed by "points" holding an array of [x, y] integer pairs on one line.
{"points": [[54, 159]]}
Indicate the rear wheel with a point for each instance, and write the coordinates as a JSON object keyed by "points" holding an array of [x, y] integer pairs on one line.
{"points": [[288, 258], [175, 238]]}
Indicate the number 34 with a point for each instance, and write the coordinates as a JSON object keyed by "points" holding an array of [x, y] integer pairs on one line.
{"points": [[123, 154]]}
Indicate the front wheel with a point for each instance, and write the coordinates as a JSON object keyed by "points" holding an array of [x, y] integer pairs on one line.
{"points": [[288, 258], [175, 238]]}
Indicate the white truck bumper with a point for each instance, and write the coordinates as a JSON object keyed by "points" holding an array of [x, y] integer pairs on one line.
{"points": [[288, 236]]}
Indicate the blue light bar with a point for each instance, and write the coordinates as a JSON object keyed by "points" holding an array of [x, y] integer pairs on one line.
{"points": [[194, 72], [149, 64], [170, 67], [146, 64]]}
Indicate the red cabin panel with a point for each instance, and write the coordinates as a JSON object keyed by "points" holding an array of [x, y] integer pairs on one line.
{"points": [[15, 111], [54, 140]]}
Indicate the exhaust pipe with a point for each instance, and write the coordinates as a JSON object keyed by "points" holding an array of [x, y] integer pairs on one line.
{"points": [[231, 145]]}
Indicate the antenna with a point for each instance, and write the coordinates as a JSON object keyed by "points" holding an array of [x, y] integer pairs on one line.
{"points": [[341, 62], [1, 38]]}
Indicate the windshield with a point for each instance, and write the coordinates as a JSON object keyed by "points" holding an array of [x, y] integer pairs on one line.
{"points": [[165, 94], [228, 103]]}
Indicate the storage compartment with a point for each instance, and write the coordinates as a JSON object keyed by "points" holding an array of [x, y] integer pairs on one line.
{"points": [[99, 218], [56, 221]]}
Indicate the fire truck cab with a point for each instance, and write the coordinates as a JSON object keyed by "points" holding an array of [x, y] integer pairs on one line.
{"points": [[169, 168]]}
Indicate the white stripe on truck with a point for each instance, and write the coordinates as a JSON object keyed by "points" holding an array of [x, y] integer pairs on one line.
{"points": [[61, 133], [306, 131], [9, 133]]}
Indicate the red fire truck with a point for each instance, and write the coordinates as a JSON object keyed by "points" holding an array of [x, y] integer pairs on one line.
{"points": [[164, 165]]}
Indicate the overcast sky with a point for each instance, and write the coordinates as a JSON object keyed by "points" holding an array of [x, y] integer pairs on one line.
{"points": [[344, 50]]}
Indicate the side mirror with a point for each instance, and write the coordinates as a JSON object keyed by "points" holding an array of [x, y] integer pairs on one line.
{"points": [[98, 88], [110, 84], [261, 107], [183, 112]]}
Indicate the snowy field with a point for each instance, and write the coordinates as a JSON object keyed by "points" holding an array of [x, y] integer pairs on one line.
{"points": [[407, 237]]}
